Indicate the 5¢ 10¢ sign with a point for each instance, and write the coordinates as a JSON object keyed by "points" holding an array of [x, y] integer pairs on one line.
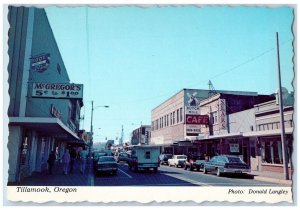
{"points": [[57, 90]]}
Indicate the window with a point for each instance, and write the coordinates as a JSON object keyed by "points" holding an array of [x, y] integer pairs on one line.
{"points": [[174, 117], [167, 120], [181, 115], [147, 155], [177, 115], [272, 152], [171, 118]]}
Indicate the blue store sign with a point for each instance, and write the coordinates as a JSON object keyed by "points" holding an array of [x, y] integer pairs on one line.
{"points": [[40, 63]]}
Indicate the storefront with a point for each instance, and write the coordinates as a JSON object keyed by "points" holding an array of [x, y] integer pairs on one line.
{"points": [[35, 138], [268, 150]]}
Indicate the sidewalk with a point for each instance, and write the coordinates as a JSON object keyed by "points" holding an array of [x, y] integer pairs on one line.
{"points": [[273, 177], [60, 179]]}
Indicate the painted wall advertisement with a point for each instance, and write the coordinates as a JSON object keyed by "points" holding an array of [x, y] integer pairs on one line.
{"points": [[57, 90], [222, 114]]}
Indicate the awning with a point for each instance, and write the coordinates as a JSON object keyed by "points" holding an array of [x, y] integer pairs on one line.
{"points": [[274, 132], [226, 135], [48, 126]]}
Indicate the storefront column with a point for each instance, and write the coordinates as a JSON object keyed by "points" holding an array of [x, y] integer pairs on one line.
{"points": [[33, 151], [14, 145]]}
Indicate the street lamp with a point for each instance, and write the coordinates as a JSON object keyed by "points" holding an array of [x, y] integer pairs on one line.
{"points": [[91, 141]]}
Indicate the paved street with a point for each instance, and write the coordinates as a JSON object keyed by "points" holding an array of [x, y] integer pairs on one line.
{"points": [[166, 176], [170, 176]]}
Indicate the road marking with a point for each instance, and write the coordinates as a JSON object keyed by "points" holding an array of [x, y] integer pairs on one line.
{"points": [[126, 174]]}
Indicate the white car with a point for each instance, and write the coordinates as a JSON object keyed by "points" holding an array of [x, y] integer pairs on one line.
{"points": [[177, 160]]}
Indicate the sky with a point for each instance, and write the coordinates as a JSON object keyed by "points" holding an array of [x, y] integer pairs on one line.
{"points": [[133, 58]]}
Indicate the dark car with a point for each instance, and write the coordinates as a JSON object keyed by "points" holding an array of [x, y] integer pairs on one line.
{"points": [[96, 156], [106, 164], [163, 158], [222, 164], [123, 157], [194, 162]]}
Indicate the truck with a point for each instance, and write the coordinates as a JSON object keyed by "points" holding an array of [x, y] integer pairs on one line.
{"points": [[144, 158]]}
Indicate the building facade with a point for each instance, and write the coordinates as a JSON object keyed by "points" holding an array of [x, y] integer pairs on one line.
{"points": [[178, 121], [42, 115], [266, 151], [141, 135]]}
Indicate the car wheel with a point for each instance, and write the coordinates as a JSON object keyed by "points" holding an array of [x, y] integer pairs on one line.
{"points": [[198, 168], [175, 165], [204, 170], [155, 170], [185, 167], [191, 168], [219, 173]]}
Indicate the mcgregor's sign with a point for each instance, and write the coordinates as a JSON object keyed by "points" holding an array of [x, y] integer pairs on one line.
{"points": [[57, 90], [197, 119]]}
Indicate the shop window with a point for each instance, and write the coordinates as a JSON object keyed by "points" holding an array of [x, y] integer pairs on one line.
{"points": [[272, 152]]}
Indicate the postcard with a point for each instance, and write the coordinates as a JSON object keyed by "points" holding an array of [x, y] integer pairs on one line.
{"points": [[149, 103]]}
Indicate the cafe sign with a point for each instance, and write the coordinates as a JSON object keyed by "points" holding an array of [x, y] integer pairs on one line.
{"points": [[57, 90]]}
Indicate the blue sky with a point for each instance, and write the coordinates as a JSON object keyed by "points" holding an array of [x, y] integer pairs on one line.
{"points": [[138, 57]]}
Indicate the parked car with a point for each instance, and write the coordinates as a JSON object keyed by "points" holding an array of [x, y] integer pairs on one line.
{"points": [[106, 164], [194, 162], [163, 158], [222, 164], [177, 160], [143, 158], [122, 157]]}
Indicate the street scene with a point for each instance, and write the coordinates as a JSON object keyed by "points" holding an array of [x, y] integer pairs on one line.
{"points": [[157, 96], [166, 176]]}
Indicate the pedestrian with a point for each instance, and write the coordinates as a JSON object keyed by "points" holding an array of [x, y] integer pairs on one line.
{"points": [[66, 161], [83, 157], [51, 161], [73, 158]]}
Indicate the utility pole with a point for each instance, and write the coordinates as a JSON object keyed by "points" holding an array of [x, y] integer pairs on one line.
{"points": [[283, 142], [121, 139], [91, 140]]}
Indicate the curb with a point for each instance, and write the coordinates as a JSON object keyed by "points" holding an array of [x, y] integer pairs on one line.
{"points": [[273, 180]]}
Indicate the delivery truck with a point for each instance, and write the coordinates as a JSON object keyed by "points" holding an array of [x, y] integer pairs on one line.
{"points": [[144, 158]]}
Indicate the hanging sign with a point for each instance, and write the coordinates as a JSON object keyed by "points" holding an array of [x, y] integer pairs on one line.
{"points": [[222, 114], [40, 63]]}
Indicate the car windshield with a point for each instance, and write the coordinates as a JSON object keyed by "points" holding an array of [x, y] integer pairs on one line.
{"points": [[234, 160], [181, 157], [106, 159]]}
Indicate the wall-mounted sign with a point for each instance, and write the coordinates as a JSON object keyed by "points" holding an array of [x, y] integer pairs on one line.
{"points": [[222, 114], [193, 129], [197, 119], [192, 110], [40, 63], [57, 90], [55, 112], [234, 148]]}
